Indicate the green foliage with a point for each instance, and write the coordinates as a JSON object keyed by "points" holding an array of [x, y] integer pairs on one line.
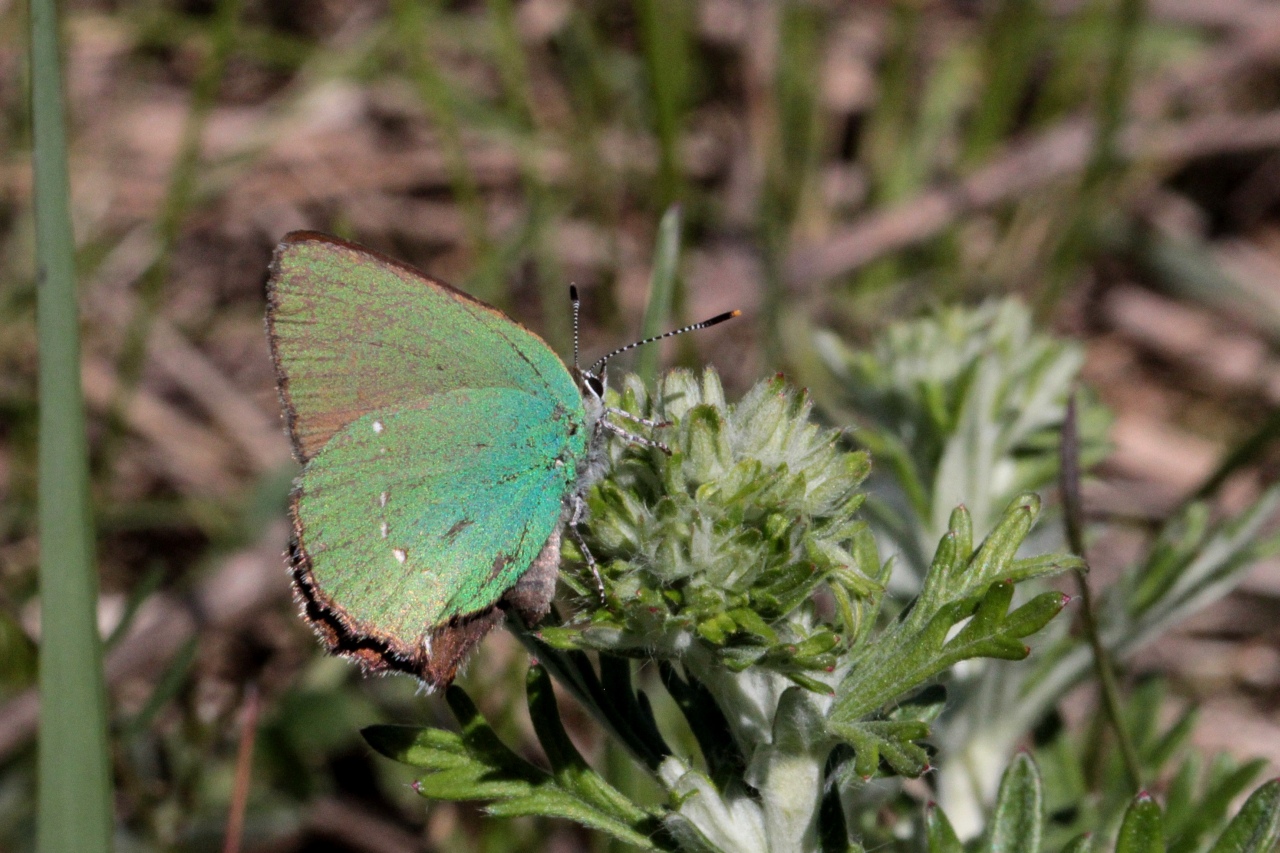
{"points": [[476, 765], [960, 407], [968, 403], [1018, 822], [722, 541], [738, 565], [962, 584]]}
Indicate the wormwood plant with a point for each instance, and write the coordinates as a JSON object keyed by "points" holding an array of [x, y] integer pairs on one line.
{"points": [[738, 570], [970, 403], [742, 581]]}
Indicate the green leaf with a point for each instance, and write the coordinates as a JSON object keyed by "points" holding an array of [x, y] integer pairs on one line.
{"points": [[995, 558], [1256, 828], [74, 788], [893, 741], [476, 765], [915, 649], [881, 674], [1018, 820], [1079, 844], [1142, 830], [941, 837], [567, 765]]}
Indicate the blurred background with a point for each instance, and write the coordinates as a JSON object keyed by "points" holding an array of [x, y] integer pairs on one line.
{"points": [[1114, 163]]}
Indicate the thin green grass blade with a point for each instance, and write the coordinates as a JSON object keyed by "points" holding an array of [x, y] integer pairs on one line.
{"points": [[662, 286], [666, 32], [74, 795]]}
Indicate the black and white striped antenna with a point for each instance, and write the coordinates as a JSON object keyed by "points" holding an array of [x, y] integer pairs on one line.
{"points": [[599, 365]]}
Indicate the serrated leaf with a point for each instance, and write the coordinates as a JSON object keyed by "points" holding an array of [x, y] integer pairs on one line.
{"points": [[879, 675], [894, 741], [477, 765]]}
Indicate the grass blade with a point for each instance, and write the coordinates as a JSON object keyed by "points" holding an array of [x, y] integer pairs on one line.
{"points": [[75, 782], [662, 285]]}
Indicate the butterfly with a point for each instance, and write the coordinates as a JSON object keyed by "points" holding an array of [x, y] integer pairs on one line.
{"points": [[445, 451]]}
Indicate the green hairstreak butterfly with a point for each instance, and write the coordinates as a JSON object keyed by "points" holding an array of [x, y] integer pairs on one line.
{"points": [[445, 450]]}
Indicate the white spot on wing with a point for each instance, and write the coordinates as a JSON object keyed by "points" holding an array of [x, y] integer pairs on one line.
{"points": [[377, 426], [400, 554], [426, 644], [384, 530], [382, 499]]}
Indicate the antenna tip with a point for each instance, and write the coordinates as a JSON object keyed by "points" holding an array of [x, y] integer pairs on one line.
{"points": [[720, 318], [573, 292]]}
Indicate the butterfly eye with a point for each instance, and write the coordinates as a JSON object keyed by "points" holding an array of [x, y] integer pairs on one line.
{"points": [[596, 384]]}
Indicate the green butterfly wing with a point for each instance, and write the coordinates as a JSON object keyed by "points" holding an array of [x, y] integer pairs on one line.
{"points": [[439, 440], [415, 517], [354, 332]]}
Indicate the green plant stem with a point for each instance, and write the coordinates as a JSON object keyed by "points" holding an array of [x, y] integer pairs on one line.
{"points": [[74, 795], [1073, 513]]}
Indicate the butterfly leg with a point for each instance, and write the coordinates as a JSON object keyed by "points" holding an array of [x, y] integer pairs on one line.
{"points": [[575, 518], [632, 437]]}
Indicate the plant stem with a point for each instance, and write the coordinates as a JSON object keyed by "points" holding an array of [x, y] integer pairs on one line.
{"points": [[244, 770], [1073, 512]]}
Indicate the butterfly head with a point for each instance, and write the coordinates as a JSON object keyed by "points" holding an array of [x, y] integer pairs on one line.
{"points": [[592, 385]]}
